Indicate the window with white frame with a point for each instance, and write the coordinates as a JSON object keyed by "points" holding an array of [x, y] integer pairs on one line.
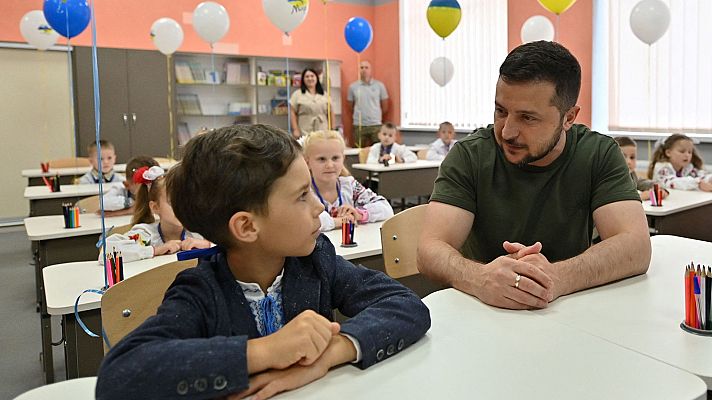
{"points": [[667, 86], [476, 49]]}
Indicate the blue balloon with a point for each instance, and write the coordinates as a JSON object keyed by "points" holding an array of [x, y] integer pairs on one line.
{"points": [[68, 17], [358, 33]]}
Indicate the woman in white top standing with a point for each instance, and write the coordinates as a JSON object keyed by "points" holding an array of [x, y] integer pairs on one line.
{"points": [[310, 107]]}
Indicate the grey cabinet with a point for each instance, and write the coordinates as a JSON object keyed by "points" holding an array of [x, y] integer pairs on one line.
{"points": [[133, 85]]}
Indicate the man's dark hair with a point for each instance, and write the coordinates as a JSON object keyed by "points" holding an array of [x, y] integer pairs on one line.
{"points": [[225, 171], [544, 61]]}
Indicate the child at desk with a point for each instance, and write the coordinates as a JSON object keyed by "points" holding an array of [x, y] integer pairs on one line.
{"points": [[342, 196], [108, 159], [677, 165], [630, 153], [119, 200], [148, 237], [256, 317], [388, 150], [446, 139]]}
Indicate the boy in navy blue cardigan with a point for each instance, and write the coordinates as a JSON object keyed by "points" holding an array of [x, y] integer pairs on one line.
{"points": [[255, 318]]}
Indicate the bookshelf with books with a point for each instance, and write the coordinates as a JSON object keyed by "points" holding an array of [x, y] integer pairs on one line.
{"points": [[235, 89]]}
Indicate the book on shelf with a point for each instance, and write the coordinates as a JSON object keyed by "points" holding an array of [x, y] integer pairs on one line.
{"points": [[183, 73], [198, 72], [183, 133], [236, 73], [189, 104]]}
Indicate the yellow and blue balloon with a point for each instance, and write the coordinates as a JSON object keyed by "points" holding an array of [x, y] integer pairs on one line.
{"points": [[444, 16], [557, 6]]}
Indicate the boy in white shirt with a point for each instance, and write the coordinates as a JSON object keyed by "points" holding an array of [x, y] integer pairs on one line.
{"points": [[446, 139], [108, 159], [388, 150]]}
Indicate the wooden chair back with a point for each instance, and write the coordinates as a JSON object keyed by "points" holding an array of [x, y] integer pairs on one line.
{"points": [[399, 239], [363, 154], [69, 162], [88, 205], [128, 303]]}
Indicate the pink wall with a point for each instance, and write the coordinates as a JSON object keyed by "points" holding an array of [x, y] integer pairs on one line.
{"points": [[575, 33], [126, 24]]}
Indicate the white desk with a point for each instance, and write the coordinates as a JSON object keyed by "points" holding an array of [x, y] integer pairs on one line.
{"points": [[683, 213], [54, 244], [45, 202], [368, 252], [63, 283], [644, 313], [476, 351], [399, 180], [73, 389]]}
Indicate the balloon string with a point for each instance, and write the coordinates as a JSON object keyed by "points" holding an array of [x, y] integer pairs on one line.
{"points": [[73, 140], [289, 106], [358, 77], [213, 79], [328, 72], [556, 31], [97, 121], [171, 130]]}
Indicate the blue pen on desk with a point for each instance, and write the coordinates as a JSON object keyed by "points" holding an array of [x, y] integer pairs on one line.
{"points": [[197, 253]]}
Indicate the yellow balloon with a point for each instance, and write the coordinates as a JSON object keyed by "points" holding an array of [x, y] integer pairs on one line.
{"points": [[557, 6], [443, 20]]}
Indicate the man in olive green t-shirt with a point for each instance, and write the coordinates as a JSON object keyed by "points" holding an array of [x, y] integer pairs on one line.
{"points": [[514, 204]]}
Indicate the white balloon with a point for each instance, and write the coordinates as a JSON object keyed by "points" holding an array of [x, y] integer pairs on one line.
{"points": [[286, 14], [211, 21], [167, 35], [537, 28], [36, 31], [649, 20], [441, 70]]}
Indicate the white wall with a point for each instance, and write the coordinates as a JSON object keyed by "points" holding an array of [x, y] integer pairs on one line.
{"points": [[35, 117]]}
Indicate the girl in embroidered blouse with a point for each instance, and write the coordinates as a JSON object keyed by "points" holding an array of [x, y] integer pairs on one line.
{"points": [[677, 165], [148, 237], [343, 197]]}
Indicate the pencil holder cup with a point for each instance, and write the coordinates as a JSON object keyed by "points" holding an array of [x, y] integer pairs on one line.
{"points": [[71, 216], [698, 304], [656, 196], [347, 234]]}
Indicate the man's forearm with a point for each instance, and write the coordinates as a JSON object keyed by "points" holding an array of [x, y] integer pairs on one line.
{"points": [[441, 262], [615, 258]]}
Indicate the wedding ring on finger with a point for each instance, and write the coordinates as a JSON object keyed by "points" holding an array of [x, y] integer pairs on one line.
{"points": [[516, 281]]}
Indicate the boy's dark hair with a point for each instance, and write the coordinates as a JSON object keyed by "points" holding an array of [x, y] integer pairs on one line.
{"points": [[446, 123], [624, 141], [105, 144], [545, 61], [389, 125], [225, 171], [138, 162], [319, 88]]}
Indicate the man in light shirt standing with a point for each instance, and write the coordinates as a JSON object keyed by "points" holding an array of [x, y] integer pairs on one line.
{"points": [[368, 99]]}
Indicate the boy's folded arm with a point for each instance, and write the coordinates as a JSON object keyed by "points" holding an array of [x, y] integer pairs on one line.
{"points": [[386, 317], [177, 353]]}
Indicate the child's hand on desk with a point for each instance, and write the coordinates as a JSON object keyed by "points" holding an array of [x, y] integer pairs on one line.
{"points": [[399, 159], [340, 220], [267, 384], [385, 157], [705, 185], [301, 341], [193, 243], [350, 212], [170, 247]]}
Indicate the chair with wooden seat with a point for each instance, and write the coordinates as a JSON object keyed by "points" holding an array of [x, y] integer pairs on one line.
{"points": [[69, 162], [128, 303], [363, 154], [399, 241]]}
